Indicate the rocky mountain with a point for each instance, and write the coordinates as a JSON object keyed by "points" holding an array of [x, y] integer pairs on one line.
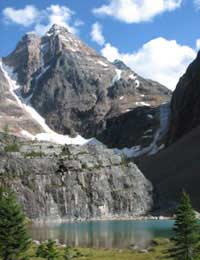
{"points": [[55, 183], [55, 90], [78, 91], [12, 113], [176, 168], [185, 105]]}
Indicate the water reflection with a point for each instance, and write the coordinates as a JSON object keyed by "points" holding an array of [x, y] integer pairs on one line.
{"points": [[103, 234]]}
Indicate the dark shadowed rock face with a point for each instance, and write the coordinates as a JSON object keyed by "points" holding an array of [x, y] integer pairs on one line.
{"points": [[75, 183], [185, 103], [173, 170], [77, 90], [136, 127]]}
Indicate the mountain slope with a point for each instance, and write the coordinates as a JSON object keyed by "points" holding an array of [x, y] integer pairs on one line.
{"points": [[12, 113], [177, 167], [185, 105], [75, 89], [173, 170]]}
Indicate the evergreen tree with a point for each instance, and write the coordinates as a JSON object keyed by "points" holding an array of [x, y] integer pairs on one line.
{"points": [[48, 250], [186, 228], [70, 253], [13, 235]]}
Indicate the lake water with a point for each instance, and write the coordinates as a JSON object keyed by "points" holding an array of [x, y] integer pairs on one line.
{"points": [[104, 234]]}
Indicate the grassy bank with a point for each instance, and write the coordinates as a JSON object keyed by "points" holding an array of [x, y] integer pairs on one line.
{"points": [[158, 251]]}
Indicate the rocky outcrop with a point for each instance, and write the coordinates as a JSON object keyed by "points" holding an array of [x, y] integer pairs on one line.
{"points": [[12, 114], [185, 105], [75, 183], [75, 89]]}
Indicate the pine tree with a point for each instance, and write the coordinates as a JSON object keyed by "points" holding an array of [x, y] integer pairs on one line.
{"points": [[186, 228], [13, 235], [48, 250]]}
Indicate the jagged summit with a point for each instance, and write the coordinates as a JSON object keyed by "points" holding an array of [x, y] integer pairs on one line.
{"points": [[57, 29], [120, 65], [79, 91]]}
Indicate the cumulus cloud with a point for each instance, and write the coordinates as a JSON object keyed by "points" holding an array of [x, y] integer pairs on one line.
{"points": [[197, 4], [159, 59], [25, 16], [97, 34], [198, 44], [136, 11], [42, 20]]}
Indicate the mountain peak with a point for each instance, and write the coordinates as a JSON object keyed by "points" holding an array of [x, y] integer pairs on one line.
{"points": [[57, 29], [120, 65]]}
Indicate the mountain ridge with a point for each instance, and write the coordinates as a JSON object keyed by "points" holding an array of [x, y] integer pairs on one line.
{"points": [[75, 89]]}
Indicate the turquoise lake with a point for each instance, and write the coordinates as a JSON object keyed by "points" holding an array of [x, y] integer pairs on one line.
{"points": [[104, 234]]}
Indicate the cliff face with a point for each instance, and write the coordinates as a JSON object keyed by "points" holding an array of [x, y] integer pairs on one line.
{"points": [[71, 183], [185, 105], [176, 168]]}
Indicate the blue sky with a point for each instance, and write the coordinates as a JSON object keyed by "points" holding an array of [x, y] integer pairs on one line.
{"points": [[157, 39]]}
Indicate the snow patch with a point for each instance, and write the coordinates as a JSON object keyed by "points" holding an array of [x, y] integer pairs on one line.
{"points": [[153, 148], [150, 116], [117, 76], [137, 83], [141, 103], [102, 63], [48, 134], [133, 77]]}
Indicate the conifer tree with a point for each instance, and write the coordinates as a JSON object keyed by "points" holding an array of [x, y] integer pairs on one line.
{"points": [[13, 235], [48, 250], [186, 229]]}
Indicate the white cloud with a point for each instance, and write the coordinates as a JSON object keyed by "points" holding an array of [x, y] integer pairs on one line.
{"points": [[97, 34], [159, 59], [197, 4], [198, 44], [135, 11], [42, 20], [25, 17]]}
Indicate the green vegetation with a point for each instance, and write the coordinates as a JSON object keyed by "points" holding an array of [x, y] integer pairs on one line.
{"points": [[48, 250], [187, 232], [34, 154], [12, 147], [6, 134], [13, 235], [67, 253], [15, 244], [11, 143]]}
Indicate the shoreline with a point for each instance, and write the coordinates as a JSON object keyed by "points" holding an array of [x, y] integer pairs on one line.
{"points": [[49, 221]]}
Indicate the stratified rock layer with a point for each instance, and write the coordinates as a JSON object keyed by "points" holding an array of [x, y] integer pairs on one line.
{"points": [[75, 183]]}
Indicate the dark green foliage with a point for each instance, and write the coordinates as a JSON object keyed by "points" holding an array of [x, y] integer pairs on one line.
{"points": [[186, 228], [13, 235], [48, 250], [70, 253], [13, 147]]}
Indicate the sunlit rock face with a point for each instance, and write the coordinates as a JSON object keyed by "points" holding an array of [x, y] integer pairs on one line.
{"points": [[75, 183], [78, 91]]}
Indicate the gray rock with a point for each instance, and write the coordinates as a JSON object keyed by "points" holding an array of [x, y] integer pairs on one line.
{"points": [[78, 91], [59, 188]]}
